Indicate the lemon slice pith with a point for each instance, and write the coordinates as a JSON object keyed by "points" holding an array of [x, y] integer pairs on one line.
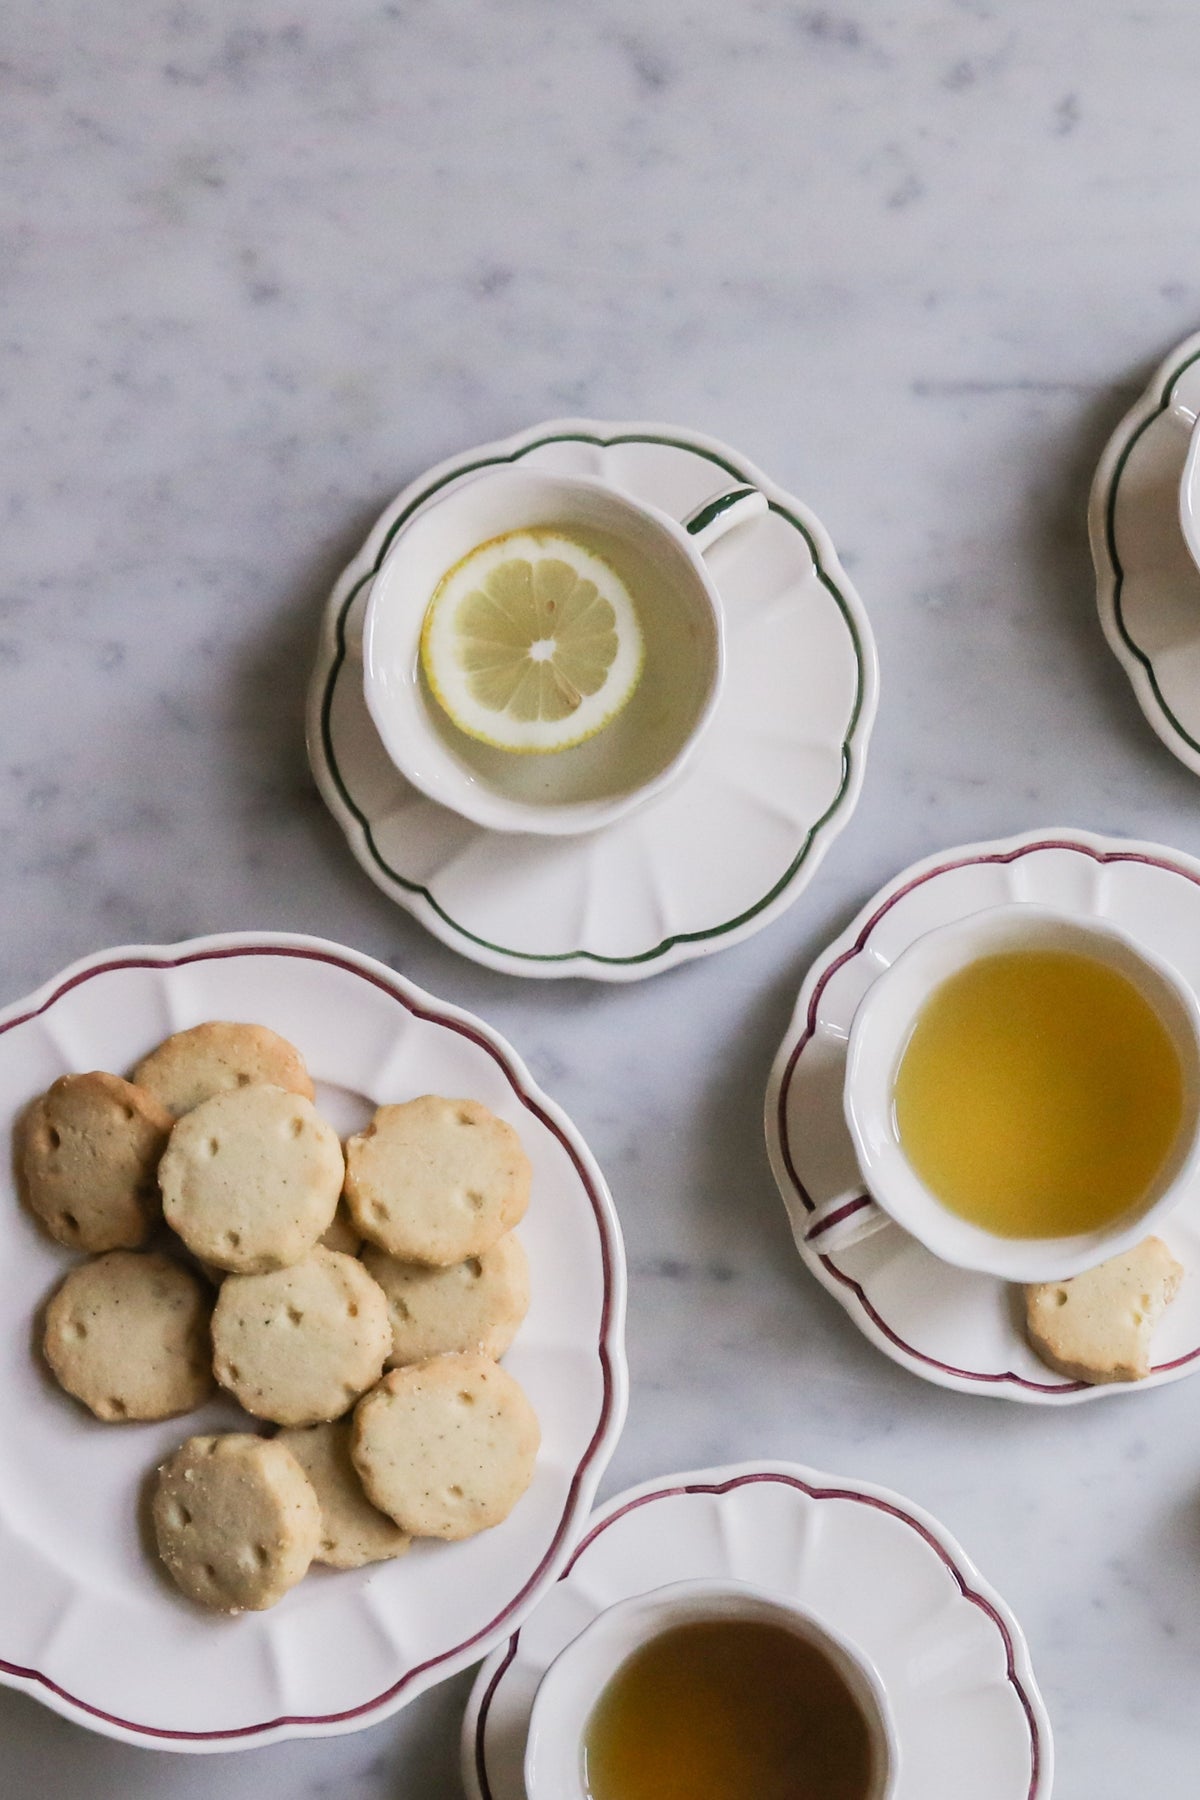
{"points": [[531, 642]]}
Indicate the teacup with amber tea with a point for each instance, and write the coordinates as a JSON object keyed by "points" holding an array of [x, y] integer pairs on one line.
{"points": [[710, 1690]]}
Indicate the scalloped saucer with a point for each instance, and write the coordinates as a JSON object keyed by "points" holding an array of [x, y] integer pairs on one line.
{"points": [[948, 1325], [1147, 585], [731, 844], [876, 1568]]}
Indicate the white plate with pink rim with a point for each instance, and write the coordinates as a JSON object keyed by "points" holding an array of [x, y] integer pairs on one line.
{"points": [[90, 1626], [737, 837], [1147, 580], [949, 1325], [873, 1567]]}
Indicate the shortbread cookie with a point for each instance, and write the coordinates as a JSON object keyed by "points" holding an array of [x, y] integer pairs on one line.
{"points": [[473, 1305], [250, 1179], [1098, 1326], [343, 1234], [353, 1532], [446, 1447], [237, 1521], [436, 1181], [90, 1149], [128, 1335], [300, 1345], [212, 1058]]}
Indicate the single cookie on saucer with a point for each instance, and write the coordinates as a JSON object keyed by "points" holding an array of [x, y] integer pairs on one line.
{"points": [[446, 1447], [436, 1180], [90, 1148], [212, 1058], [473, 1305], [237, 1521], [250, 1179], [353, 1532], [1098, 1326], [128, 1335], [300, 1345]]}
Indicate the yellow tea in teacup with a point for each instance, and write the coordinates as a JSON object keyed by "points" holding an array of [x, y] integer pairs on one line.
{"points": [[729, 1709], [1039, 1094]]}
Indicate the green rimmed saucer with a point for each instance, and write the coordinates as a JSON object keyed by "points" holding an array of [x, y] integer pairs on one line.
{"points": [[723, 851], [1147, 584]]}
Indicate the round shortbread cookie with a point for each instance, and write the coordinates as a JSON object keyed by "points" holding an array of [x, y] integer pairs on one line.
{"points": [[128, 1335], [212, 1058], [237, 1521], [353, 1532], [343, 1234], [1098, 1326], [90, 1149], [473, 1305], [446, 1447], [435, 1180], [250, 1179], [302, 1344]]}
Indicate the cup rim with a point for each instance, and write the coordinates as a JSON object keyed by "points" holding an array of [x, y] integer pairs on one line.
{"points": [[1188, 497], [398, 709], [565, 1697], [876, 1045]]}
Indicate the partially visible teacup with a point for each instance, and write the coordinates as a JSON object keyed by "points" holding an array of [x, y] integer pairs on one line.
{"points": [[881, 1033], [1189, 484], [851, 1719], [648, 744]]}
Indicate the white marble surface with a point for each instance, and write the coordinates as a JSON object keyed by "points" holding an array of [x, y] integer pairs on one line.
{"points": [[261, 263]]}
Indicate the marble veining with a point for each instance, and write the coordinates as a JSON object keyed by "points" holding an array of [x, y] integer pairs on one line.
{"points": [[264, 263]]}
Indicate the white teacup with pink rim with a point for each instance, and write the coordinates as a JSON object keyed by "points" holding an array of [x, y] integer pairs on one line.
{"points": [[881, 1031], [648, 743], [556, 1761]]}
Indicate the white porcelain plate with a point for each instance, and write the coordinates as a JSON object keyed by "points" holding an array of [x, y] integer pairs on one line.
{"points": [[1147, 585], [88, 1623], [728, 846], [949, 1325], [874, 1567]]}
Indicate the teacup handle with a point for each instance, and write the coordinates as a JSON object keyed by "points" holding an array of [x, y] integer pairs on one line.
{"points": [[713, 518], [843, 1219]]}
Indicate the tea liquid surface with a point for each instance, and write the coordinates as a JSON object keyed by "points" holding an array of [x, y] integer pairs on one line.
{"points": [[1039, 1094], [728, 1710]]}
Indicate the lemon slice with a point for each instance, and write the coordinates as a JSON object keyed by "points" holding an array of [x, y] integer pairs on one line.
{"points": [[531, 642]]}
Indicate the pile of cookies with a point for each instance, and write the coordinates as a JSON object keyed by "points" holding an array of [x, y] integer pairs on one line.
{"points": [[224, 1222]]}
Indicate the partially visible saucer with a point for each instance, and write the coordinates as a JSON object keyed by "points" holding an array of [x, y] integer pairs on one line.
{"points": [[949, 1325], [875, 1568], [1147, 584], [722, 852]]}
